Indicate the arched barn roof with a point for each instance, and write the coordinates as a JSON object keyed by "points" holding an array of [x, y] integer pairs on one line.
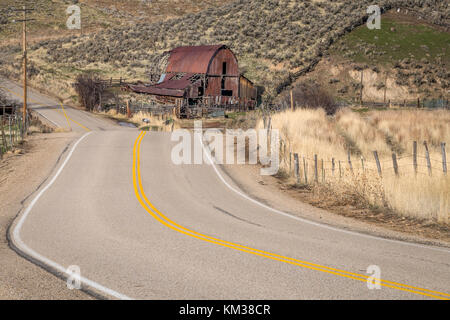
{"points": [[193, 59]]}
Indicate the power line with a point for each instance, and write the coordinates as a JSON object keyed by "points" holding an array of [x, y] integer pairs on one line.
{"points": [[24, 21]]}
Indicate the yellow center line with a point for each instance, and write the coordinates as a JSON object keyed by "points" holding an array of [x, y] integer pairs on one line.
{"points": [[137, 183], [41, 105]]}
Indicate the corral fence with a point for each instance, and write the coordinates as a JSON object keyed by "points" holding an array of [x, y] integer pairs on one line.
{"points": [[12, 131], [166, 110], [415, 103]]}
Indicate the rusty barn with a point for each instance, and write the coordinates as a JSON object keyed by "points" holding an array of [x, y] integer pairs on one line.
{"points": [[202, 77]]}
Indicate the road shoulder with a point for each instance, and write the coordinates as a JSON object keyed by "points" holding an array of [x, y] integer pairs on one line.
{"points": [[271, 191], [21, 174]]}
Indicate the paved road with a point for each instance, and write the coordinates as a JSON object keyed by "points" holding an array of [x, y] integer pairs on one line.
{"points": [[139, 226]]}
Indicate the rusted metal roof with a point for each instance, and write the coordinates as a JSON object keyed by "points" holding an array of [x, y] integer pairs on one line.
{"points": [[158, 91], [192, 59], [174, 85]]}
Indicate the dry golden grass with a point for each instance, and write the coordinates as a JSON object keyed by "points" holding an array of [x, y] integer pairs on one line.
{"points": [[155, 122], [310, 132]]}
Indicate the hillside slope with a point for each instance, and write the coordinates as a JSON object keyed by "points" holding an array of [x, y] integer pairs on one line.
{"points": [[96, 15], [275, 40], [408, 58]]}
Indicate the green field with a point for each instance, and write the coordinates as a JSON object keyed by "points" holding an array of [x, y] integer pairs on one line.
{"points": [[395, 41]]}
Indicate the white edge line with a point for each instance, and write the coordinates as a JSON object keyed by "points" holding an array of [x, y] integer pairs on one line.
{"points": [[318, 224], [22, 246], [46, 118]]}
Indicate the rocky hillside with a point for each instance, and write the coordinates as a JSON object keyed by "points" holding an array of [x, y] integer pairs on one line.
{"points": [[276, 41]]}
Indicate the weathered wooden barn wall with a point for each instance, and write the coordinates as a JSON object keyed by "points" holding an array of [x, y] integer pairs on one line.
{"points": [[246, 89]]}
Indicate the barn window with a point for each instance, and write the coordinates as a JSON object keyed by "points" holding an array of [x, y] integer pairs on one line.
{"points": [[223, 84], [227, 93], [224, 68]]}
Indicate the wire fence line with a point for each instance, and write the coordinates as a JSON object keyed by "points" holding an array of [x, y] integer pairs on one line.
{"points": [[307, 169]]}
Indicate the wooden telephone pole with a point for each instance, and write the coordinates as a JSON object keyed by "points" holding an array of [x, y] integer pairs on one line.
{"points": [[24, 48]]}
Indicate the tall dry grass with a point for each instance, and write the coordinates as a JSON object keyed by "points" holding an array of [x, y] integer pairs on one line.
{"points": [[310, 132]]}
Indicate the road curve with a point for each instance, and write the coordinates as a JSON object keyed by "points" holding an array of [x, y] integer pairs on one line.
{"points": [[139, 226]]}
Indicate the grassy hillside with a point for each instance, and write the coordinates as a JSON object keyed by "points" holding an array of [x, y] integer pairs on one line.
{"points": [[275, 40], [411, 54]]}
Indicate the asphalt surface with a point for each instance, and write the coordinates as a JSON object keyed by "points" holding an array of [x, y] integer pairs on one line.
{"points": [[139, 226]]}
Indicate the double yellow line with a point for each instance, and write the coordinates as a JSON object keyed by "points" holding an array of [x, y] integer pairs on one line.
{"points": [[41, 105], [161, 218]]}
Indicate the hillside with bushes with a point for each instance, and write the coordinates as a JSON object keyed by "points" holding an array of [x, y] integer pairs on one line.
{"points": [[406, 59], [276, 41]]}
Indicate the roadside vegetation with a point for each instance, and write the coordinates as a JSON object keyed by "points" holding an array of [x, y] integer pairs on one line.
{"points": [[421, 195]]}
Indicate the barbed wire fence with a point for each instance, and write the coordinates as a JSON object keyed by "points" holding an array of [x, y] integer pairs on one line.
{"points": [[316, 168]]}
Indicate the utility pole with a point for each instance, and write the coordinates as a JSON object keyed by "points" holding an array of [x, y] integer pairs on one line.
{"points": [[24, 48]]}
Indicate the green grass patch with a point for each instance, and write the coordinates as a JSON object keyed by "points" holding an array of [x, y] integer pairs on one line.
{"points": [[396, 40]]}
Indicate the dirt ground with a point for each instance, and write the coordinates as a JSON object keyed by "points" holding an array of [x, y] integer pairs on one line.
{"points": [[304, 203], [21, 173]]}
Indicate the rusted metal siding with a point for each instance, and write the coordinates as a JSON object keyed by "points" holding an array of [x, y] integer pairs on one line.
{"points": [[191, 59]]}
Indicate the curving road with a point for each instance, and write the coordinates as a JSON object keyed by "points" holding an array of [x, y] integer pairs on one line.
{"points": [[139, 226]]}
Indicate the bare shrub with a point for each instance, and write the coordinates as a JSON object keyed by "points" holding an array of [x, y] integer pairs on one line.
{"points": [[311, 96], [89, 88]]}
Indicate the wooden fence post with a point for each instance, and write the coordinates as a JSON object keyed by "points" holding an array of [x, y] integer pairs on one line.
{"points": [[362, 164], [415, 156], [316, 176], [297, 169], [377, 160], [323, 170], [11, 144], [395, 164], [292, 101], [361, 92], [427, 155], [332, 166], [350, 161], [290, 162], [340, 170], [128, 109], [305, 170], [444, 158]]}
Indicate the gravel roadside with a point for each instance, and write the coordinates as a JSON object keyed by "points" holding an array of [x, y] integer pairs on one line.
{"points": [[20, 175]]}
